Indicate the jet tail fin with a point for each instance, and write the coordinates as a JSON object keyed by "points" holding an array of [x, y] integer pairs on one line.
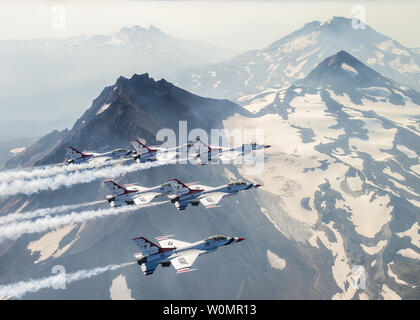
{"points": [[199, 142], [73, 153], [178, 187], [139, 146], [146, 246], [115, 188]]}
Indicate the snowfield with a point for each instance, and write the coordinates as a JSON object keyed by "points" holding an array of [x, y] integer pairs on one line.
{"points": [[103, 108], [343, 171], [275, 261], [17, 150]]}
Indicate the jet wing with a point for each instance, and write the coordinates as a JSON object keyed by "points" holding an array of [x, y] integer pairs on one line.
{"points": [[184, 262], [149, 267], [213, 199], [170, 243], [147, 159], [145, 197], [229, 156], [99, 160], [166, 155]]}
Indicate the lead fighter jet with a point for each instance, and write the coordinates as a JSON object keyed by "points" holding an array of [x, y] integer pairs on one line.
{"points": [[207, 196], [77, 157], [180, 254], [134, 194]]}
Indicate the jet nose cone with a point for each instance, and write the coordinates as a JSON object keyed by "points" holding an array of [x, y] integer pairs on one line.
{"points": [[240, 239], [268, 146], [257, 185]]}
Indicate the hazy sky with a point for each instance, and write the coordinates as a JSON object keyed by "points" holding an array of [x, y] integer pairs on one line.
{"points": [[240, 25]]}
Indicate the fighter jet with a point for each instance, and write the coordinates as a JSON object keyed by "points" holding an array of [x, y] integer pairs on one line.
{"points": [[76, 157], [207, 196], [178, 253], [208, 153], [134, 194], [144, 153]]}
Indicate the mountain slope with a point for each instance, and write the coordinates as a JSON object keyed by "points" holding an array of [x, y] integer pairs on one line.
{"points": [[342, 74], [292, 58], [9, 149], [139, 106], [340, 190], [345, 162], [142, 106]]}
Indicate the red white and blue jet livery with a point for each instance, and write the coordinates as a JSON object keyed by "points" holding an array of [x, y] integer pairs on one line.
{"points": [[76, 157], [144, 153], [180, 254], [207, 196], [134, 194], [206, 153]]}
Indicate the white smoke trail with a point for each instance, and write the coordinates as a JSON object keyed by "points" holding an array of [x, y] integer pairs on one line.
{"points": [[17, 290], [67, 180], [49, 170], [13, 217], [15, 230]]}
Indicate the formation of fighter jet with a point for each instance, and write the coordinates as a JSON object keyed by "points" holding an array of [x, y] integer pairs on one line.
{"points": [[141, 153], [134, 194], [180, 194], [200, 151], [208, 153], [76, 157], [180, 254], [207, 196]]}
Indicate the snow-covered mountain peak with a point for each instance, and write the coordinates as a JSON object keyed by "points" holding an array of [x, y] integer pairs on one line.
{"points": [[294, 56], [345, 163], [139, 31], [342, 69], [341, 75], [337, 21]]}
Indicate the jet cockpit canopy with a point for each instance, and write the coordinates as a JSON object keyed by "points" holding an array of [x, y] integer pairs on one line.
{"points": [[237, 183], [119, 150], [216, 238]]}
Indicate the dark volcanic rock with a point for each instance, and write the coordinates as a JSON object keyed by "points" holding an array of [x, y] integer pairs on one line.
{"points": [[139, 106]]}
